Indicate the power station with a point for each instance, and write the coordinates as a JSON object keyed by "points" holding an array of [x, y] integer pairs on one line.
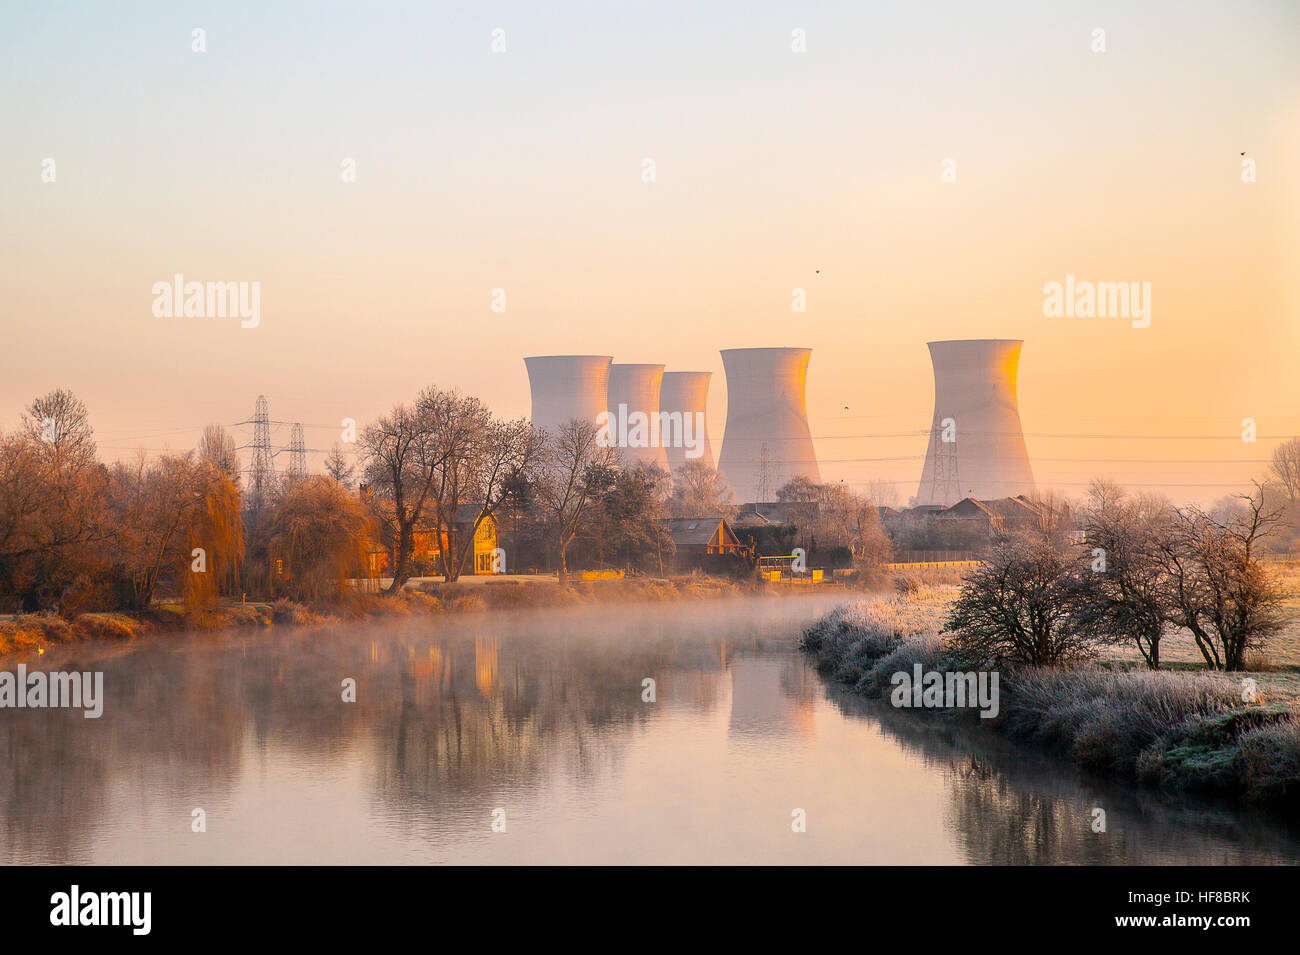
{"points": [[633, 398], [767, 441], [566, 387], [686, 393], [977, 447]]}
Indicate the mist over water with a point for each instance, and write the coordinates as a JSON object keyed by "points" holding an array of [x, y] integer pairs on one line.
{"points": [[541, 714]]}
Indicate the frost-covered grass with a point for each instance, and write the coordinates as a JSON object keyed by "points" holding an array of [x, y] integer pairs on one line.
{"points": [[1178, 729], [859, 643]]}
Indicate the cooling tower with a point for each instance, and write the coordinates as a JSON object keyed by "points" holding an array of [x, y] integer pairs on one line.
{"points": [[975, 405], [633, 389], [767, 441], [566, 387], [686, 393]]}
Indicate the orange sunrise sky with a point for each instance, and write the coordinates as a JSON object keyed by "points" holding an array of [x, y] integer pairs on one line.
{"points": [[775, 170]]}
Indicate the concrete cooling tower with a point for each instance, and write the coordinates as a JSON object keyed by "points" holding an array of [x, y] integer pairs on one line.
{"points": [[632, 389], [566, 387], [767, 441], [686, 393], [975, 407]]}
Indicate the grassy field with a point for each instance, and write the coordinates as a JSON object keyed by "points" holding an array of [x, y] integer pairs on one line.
{"points": [[1276, 668]]}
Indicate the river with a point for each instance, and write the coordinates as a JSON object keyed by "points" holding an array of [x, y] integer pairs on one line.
{"points": [[523, 737]]}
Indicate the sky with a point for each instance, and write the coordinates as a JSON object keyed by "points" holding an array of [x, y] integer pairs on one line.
{"points": [[774, 170]]}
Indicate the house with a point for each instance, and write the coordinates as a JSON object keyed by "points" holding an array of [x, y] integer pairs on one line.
{"points": [[759, 514], [701, 540], [381, 555], [995, 516], [428, 546], [965, 528]]}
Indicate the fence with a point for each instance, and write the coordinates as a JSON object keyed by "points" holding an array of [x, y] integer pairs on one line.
{"points": [[937, 557]]}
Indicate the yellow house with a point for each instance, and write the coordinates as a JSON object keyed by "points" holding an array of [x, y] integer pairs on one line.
{"points": [[428, 548], [485, 543]]}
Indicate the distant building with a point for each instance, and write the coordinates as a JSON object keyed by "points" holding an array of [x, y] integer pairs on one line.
{"points": [[427, 547], [966, 528], [767, 441], [701, 540], [977, 446], [760, 514], [997, 516]]}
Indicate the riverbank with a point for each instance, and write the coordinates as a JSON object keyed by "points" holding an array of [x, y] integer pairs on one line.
{"points": [[34, 632], [1179, 729]]}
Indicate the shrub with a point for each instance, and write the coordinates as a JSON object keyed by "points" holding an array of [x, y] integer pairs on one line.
{"points": [[1015, 607], [112, 626], [1271, 762], [850, 640], [286, 611], [1104, 718]]}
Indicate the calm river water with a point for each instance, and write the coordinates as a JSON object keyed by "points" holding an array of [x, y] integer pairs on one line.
{"points": [[541, 715]]}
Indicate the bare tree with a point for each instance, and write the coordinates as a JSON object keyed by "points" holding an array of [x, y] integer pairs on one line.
{"points": [[51, 500], [883, 493], [700, 491], [1217, 587], [575, 470], [478, 460], [60, 423], [1285, 468], [401, 461], [869, 543], [502, 456], [338, 467], [800, 489], [1120, 590], [457, 426], [1016, 606]]}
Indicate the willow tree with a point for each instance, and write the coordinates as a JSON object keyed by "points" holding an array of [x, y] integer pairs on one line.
{"points": [[320, 532], [215, 538], [217, 447]]}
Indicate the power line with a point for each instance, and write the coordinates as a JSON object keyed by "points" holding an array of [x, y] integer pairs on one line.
{"points": [[297, 453], [1063, 434], [1050, 484]]}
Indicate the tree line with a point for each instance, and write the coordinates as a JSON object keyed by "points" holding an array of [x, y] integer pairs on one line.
{"points": [[78, 534], [1141, 569]]}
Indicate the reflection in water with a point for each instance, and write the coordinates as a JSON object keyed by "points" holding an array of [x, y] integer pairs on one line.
{"points": [[1009, 805], [541, 714]]}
